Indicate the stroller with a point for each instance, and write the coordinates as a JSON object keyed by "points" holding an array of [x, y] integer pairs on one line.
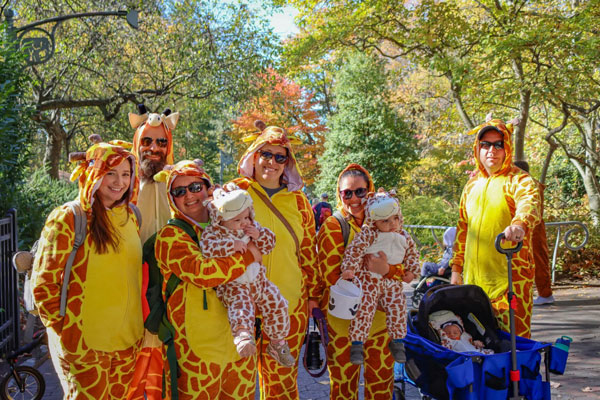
{"points": [[441, 373], [426, 283]]}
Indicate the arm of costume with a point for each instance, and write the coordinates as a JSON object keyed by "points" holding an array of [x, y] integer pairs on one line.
{"points": [[266, 239], [527, 202], [355, 252], [59, 237], [178, 254], [216, 244], [330, 243], [411, 260], [307, 246], [458, 259]]}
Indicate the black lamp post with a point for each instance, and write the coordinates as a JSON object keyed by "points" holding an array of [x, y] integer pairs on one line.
{"points": [[41, 48]]}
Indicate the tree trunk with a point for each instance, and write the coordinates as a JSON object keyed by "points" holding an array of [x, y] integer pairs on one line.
{"points": [[593, 191], [55, 138], [524, 104]]}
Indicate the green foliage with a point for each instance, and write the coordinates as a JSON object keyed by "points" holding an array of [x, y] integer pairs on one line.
{"points": [[366, 129], [15, 125], [421, 210], [36, 199]]}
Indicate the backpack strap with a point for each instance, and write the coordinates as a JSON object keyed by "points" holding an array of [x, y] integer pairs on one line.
{"points": [[344, 225], [138, 214], [80, 227]]}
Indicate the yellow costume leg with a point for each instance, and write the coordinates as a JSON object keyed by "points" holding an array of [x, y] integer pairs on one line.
{"points": [[120, 374], [239, 380], [523, 289]]}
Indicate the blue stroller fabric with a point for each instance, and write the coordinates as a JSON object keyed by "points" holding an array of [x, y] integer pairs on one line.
{"points": [[446, 374]]}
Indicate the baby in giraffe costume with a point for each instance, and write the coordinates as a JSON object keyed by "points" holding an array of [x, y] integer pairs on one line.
{"points": [[381, 231], [232, 226]]}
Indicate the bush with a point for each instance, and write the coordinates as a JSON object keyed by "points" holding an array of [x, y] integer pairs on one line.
{"points": [[38, 197]]}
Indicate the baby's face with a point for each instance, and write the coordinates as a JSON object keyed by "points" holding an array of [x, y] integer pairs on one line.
{"points": [[238, 222], [388, 225], [452, 331]]}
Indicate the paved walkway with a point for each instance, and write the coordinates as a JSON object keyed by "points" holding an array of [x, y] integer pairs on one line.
{"points": [[576, 313]]}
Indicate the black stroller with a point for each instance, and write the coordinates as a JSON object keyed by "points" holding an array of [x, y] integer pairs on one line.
{"points": [[427, 282]]}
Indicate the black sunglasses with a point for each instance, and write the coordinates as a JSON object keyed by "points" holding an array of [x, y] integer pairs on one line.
{"points": [[160, 142], [487, 145], [279, 158], [194, 187], [347, 193]]}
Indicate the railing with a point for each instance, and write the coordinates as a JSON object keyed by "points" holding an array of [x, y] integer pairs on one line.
{"points": [[579, 226], [9, 291]]}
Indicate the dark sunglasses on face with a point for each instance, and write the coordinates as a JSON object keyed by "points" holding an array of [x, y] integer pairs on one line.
{"points": [[194, 187], [160, 142], [279, 158], [487, 145], [347, 193]]}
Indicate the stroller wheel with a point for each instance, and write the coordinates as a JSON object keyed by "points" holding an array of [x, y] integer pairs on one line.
{"points": [[416, 298]]}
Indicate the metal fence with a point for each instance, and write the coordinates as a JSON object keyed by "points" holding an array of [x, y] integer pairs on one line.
{"points": [[9, 290], [561, 226]]}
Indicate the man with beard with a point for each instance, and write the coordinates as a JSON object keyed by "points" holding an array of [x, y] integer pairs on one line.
{"points": [[153, 147]]}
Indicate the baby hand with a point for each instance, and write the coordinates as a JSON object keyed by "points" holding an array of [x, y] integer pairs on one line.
{"points": [[408, 277], [347, 274], [478, 344], [251, 231], [239, 246]]}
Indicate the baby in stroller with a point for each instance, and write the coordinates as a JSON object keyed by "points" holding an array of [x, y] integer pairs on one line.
{"points": [[433, 274], [453, 334]]}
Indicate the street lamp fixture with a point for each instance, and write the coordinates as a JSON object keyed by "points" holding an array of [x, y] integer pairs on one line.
{"points": [[40, 48]]}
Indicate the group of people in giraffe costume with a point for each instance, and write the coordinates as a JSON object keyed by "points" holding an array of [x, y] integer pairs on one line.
{"points": [[256, 253]]}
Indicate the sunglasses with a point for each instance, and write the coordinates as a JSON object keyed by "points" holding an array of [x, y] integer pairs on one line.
{"points": [[194, 187], [160, 142], [279, 158], [347, 193], [487, 145]]}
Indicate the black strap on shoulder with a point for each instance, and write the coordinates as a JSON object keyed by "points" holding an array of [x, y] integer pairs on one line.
{"points": [[344, 225]]}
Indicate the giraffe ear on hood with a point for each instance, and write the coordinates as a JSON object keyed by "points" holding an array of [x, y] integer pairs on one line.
{"points": [[163, 175], [170, 120]]}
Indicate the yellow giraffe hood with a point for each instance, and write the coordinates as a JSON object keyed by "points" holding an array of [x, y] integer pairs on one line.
{"points": [[349, 167], [95, 163], [278, 137], [506, 130], [182, 168]]}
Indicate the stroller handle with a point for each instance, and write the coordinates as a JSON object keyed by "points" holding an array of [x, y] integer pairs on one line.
{"points": [[510, 251]]}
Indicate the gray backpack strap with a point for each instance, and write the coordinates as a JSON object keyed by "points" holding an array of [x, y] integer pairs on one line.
{"points": [[344, 225], [138, 214], [80, 227]]}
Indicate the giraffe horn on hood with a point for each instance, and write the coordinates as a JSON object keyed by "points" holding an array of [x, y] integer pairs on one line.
{"points": [[488, 117]]}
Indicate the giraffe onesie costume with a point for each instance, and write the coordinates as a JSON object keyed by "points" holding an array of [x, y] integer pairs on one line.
{"points": [[488, 205], [293, 272], [252, 289], [155, 210], [378, 291], [94, 344], [209, 366], [344, 377]]}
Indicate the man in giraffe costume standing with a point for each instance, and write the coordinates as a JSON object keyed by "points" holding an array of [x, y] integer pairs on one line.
{"points": [[153, 147], [499, 198]]}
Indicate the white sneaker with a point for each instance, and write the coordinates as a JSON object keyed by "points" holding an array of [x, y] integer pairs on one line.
{"points": [[540, 301]]}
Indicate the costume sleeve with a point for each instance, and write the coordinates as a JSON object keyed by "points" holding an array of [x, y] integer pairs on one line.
{"points": [[458, 259], [47, 277], [307, 246], [410, 262], [178, 254], [330, 243], [526, 195], [266, 239], [355, 252], [215, 244]]}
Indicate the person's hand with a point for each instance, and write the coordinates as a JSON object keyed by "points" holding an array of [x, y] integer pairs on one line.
{"points": [[311, 305], [478, 344], [456, 278], [408, 277], [441, 271], [378, 264], [251, 231], [347, 274], [251, 247], [514, 233], [239, 246]]}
